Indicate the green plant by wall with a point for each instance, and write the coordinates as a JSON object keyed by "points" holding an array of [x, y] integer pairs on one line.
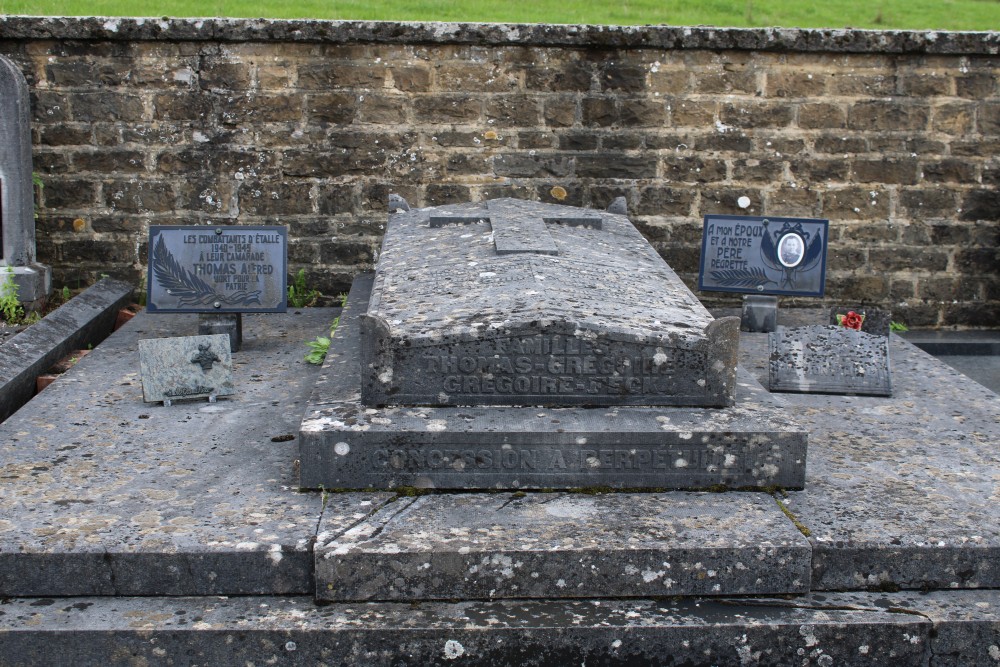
{"points": [[300, 296], [321, 345], [10, 307]]}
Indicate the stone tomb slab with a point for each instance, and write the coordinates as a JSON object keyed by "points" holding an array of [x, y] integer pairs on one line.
{"points": [[901, 491], [103, 494], [829, 360], [557, 545], [512, 302], [346, 444], [833, 629]]}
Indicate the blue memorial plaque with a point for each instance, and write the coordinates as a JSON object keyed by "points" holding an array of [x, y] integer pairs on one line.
{"points": [[203, 269], [763, 255]]}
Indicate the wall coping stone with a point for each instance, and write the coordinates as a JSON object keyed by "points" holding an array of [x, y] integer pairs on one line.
{"points": [[502, 34]]}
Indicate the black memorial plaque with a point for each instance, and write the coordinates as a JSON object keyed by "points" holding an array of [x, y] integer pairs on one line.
{"points": [[202, 269], [763, 255], [829, 360]]}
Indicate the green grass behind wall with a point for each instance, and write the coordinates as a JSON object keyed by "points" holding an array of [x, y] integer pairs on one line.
{"points": [[879, 14]]}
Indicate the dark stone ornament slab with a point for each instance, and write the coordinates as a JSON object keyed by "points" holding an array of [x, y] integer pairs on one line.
{"points": [[829, 360], [185, 367], [522, 303], [202, 269], [347, 444]]}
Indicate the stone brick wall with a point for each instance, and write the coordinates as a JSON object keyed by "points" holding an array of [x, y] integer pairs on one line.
{"points": [[892, 136]]}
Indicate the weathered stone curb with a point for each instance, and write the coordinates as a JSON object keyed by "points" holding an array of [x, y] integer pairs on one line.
{"points": [[502, 34], [837, 629], [85, 320]]}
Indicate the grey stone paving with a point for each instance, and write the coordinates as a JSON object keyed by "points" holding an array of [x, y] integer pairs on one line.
{"points": [[104, 495]]}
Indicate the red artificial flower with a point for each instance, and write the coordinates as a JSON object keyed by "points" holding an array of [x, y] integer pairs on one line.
{"points": [[851, 320]]}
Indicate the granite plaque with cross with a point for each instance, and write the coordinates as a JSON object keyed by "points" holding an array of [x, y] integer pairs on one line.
{"points": [[186, 367], [522, 303], [829, 360], [204, 269]]}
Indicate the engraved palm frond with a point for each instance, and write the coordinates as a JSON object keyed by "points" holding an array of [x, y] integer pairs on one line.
{"points": [[741, 277], [178, 281]]}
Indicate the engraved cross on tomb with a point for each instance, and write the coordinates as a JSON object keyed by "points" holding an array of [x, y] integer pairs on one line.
{"points": [[520, 226], [523, 303]]}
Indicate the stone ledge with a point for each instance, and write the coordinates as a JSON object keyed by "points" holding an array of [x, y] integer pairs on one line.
{"points": [[502, 34], [86, 319], [941, 628]]}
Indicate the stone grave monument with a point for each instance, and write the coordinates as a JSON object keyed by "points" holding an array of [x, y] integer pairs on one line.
{"points": [[17, 201], [514, 344]]}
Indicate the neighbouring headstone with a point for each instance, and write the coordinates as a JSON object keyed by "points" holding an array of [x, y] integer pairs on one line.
{"points": [[521, 303], [515, 344], [185, 367], [829, 360], [17, 201]]}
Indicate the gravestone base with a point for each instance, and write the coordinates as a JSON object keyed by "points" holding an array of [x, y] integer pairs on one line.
{"points": [[345, 444], [230, 324], [34, 285]]}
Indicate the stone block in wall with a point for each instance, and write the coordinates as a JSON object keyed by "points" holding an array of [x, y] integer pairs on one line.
{"points": [[69, 193], [728, 142], [616, 166], [622, 78], [564, 77], [756, 115], [800, 83], [599, 111], [215, 75], [578, 140], [897, 171], [659, 200], [445, 109], [183, 106], [107, 105], [724, 200], [559, 111], [540, 165], [822, 116], [980, 205], [513, 111], [139, 196], [907, 258], [692, 113], [690, 169], [856, 203], [642, 113], [888, 116]]}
